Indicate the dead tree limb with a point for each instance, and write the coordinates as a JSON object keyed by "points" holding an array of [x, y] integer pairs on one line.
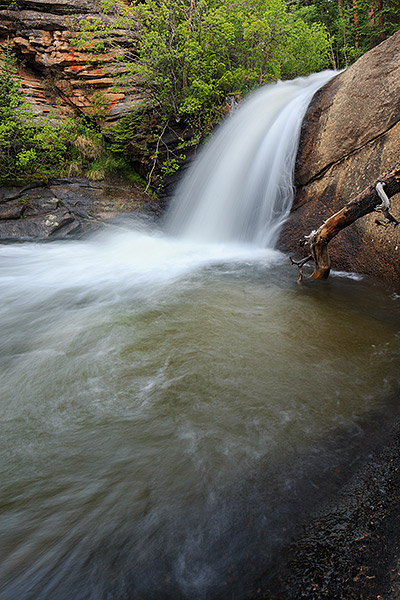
{"points": [[300, 264], [374, 198]]}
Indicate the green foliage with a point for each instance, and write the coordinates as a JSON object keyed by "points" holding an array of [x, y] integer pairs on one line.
{"points": [[304, 46], [109, 164], [355, 26], [96, 34], [27, 150], [136, 132], [171, 166], [10, 89], [33, 148], [96, 111], [193, 54]]}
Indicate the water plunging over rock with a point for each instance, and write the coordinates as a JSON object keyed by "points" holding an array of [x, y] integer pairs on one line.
{"points": [[241, 186], [161, 434]]}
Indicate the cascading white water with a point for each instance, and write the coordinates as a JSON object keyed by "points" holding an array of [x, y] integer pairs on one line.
{"points": [[169, 407], [241, 186]]}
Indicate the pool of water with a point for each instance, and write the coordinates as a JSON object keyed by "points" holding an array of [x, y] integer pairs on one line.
{"points": [[170, 411]]}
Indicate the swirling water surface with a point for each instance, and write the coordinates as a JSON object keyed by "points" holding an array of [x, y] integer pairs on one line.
{"points": [[168, 411]]}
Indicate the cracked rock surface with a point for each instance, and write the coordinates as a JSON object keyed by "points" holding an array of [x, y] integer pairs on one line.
{"points": [[66, 208], [350, 136], [54, 74]]}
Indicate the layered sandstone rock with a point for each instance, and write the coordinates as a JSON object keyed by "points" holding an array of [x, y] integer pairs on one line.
{"points": [[351, 135], [53, 73]]}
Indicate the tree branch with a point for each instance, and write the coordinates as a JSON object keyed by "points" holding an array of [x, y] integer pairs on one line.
{"points": [[155, 157], [373, 198]]}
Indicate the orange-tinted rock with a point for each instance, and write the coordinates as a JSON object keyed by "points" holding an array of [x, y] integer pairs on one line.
{"points": [[54, 73]]}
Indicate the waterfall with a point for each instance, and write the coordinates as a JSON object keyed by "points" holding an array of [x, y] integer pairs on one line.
{"points": [[240, 189], [164, 429]]}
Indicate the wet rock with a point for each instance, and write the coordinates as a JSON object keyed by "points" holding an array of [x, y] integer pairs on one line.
{"points": [[10, 211], [58, 224], [33, 212], [351, 135], [67, 207], [350, 548]]}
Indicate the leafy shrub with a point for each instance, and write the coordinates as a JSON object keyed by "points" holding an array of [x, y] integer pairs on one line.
{"points": [[34, 148], [193, 54], [29, 148]]}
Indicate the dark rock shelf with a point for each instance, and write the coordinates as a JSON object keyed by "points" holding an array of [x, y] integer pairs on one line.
{"points": [[66, 208]]}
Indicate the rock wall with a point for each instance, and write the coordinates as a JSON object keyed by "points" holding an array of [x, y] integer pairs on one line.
{"points": [[351, 135], [65, 208], [53, 73]]}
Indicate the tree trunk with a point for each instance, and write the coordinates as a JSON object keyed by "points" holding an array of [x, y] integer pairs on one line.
{"points": [[341, 14], [355, 18], [379, 5], [369, 200]]}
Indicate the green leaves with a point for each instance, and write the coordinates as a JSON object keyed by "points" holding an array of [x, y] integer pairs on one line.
{"points": [[10, 87], [355, 26], [304, 49], [30, 148], [193, 54]]}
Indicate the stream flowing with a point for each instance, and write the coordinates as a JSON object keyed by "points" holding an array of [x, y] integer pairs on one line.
{"points": [[172, 407]]}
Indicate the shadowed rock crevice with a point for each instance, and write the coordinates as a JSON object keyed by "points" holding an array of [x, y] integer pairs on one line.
{"points": [[67, 208]]}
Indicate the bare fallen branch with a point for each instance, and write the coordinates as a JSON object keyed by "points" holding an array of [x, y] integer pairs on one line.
{"points": [[300, 264], [373, 198]]}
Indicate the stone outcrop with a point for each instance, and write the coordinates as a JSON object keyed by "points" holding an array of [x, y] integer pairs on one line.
{"points": [[54, 73], [67, 208], [58, 78], [350, 136]]}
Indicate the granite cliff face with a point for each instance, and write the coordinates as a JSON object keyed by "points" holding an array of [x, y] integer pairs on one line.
{"points": [[350, 136], [53, 73]]}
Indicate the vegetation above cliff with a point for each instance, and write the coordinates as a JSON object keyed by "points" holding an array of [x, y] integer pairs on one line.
{"points": [[26, 150], [197, 57], [194, 60], [193, 55], [40, 149]]}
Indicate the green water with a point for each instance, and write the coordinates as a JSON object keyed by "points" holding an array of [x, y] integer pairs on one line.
{"points": [[168, 410]]}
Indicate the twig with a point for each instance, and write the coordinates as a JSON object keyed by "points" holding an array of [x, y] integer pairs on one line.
{"points": [[155, 159]]}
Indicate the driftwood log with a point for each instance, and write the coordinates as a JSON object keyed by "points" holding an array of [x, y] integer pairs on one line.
{"points": [[374, 198]]}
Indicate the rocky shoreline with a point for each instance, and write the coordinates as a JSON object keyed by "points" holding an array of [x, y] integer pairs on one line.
{"points": [[65, 208], [350, 549]]}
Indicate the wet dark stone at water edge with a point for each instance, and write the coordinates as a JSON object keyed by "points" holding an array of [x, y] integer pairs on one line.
{"points": [[351, 548], [65, 208]]}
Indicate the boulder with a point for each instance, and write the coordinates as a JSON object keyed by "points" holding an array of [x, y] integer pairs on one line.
{"points": [[54, 74], [350, 136]]}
